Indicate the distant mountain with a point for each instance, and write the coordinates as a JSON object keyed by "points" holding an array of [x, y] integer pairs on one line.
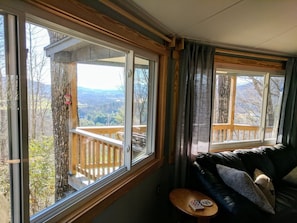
{"points": [[97, 98], [96, 104], [94, 96], [248, 99], [90, 101]]}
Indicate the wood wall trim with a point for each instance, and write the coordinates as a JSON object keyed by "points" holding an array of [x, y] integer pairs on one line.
{"points": [[251, 55], [259, 64], [174, 105], [88, 17], [161, 100]]}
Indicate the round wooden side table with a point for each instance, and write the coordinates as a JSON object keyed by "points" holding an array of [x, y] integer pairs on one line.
{"points": [[180, 198]]}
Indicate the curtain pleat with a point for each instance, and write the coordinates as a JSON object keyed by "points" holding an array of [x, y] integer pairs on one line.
{"points": [[194, 111], [287, 133]]}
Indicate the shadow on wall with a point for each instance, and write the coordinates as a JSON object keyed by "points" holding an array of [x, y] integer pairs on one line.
{"points": [[146, 203]]}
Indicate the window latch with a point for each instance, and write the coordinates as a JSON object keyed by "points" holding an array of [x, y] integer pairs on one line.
{"points": [[128, 149], [130, 73], [14, 161]]}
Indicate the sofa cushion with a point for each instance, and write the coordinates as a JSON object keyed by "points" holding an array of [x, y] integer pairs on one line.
{"points": [[242, 183], [291, 177], [266, 186], [283, 158], [256, 158], [286, 203]]}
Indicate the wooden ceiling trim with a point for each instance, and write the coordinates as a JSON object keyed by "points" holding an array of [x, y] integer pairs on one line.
{"points": [[251, 55], [135, 20], [89, 17], [225, 61]]}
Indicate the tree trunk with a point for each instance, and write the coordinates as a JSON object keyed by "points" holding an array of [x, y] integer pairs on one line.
{"points": [[224, 84], [60, 113], [60, 86]]}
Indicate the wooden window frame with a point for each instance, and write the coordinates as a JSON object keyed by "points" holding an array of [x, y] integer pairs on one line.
{"points": [[74, 15]]}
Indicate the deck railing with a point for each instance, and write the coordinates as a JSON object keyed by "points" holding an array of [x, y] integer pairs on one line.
{"points": [[94, 155], [227, 132], [97, 151]]}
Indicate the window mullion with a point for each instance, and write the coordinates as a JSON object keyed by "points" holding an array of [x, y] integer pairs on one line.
{"points": [[129, 109], [18, 200], [264, 106], [152, 106]]}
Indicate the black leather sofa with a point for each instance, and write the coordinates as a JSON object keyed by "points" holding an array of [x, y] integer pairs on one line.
{"points": [[275, 161]]}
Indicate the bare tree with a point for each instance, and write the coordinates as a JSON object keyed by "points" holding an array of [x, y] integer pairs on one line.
{"points": [[141, 83], [274, 91], [39, 103]]}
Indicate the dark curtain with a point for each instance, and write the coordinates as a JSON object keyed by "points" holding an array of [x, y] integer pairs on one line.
{"points": [[194, 110], [287, 134]]}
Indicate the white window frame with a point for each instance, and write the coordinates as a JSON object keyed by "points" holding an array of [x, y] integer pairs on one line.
{"points": [[12, 65], [248, 143]]}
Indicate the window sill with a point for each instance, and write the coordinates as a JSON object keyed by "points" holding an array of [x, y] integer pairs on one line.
{"points": [[240, 145]]}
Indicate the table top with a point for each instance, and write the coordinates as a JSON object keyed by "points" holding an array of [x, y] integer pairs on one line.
{"points": [[181, 197]]}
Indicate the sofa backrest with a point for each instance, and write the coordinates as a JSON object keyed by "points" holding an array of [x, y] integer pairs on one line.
{"points": [[257, 158], [275, 161], [284, 159], [209, 160]]}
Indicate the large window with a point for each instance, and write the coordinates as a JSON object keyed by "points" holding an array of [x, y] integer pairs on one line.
{"points": [[10, 176], [87, 117], [5, 110], [246, 106]]}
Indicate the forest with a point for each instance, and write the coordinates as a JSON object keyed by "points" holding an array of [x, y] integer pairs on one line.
{"points": [[100, 107]]}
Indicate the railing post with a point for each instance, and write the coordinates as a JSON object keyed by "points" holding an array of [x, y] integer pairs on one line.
{"points": [[73, 153], [73, 121]]}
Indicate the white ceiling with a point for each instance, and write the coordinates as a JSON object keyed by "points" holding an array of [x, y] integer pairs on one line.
{"points": [[268, 26]]}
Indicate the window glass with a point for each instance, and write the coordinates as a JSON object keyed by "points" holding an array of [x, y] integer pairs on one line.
{"points": [[84, 108], [76, 100], [276, 85], [4, 134], [142, 77], [240, 106], [101, 114], [247, 110], [41, 149]]}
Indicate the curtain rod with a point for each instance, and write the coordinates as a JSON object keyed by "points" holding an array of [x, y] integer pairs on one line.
{"points": [[248, 54], [134, 19]]}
